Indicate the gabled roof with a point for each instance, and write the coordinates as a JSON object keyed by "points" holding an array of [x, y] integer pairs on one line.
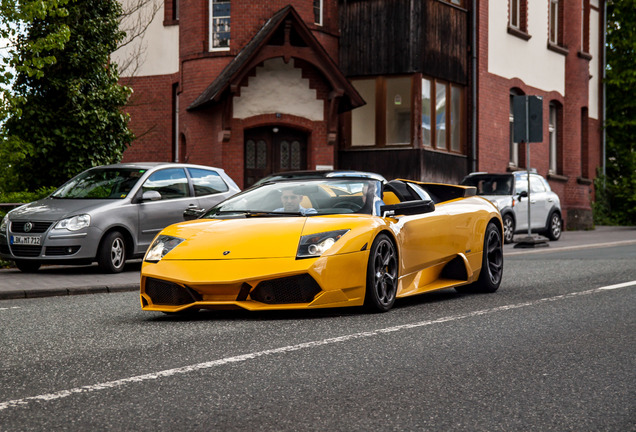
{"points": [[284, 35]]}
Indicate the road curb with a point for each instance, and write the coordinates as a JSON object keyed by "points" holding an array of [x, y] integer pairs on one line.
{"points": [[57, 292]]}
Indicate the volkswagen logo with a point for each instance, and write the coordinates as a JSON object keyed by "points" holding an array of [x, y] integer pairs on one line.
{"points": [[28, 227]]}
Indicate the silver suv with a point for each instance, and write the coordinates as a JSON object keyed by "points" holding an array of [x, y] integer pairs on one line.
{"points": [[109, 214], [509, 192]]}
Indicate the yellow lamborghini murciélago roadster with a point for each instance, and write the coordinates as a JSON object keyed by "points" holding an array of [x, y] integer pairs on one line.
{"points": [[329, 240]]}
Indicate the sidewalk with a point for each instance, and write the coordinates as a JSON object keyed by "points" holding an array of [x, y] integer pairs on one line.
{"points": [[71, 280]]}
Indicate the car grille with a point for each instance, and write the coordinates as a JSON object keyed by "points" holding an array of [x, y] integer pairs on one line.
{"points": [[36, 227], [293, 289], [26, 251], [168, 293], [61, 250]]}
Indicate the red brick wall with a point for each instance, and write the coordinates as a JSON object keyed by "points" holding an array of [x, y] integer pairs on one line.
{"points": [[150, 109], [494, 130]]}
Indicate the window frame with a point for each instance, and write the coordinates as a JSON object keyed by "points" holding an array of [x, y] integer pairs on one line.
{"points": [[318, 12], [520, 28], [447, 145], [211, 25], [556, 27]]}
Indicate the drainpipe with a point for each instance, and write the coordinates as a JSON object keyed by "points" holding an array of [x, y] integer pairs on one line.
{"points": [[603, 87], [474, 90]]}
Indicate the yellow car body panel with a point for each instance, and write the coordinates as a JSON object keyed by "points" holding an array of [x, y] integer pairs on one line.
{"points": [[221, 262]]}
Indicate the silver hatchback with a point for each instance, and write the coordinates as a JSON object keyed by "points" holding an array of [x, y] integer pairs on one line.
{"points": [[109, 214]]}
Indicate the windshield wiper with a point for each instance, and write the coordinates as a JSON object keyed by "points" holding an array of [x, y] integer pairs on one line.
{"points": [[257, 213]]}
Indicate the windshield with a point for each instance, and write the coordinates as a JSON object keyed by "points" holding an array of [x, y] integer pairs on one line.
{"points": [[302, 198], [490, 184], [101, 183]]}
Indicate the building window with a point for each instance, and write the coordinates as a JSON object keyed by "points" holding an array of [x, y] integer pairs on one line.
{"points": [[556, 23], [386, 118], [219, 25], [171, 12], [443, 115], [552, 132], [514, 146], [398, 111], [318, 12], [555, 136], [363, 118]]}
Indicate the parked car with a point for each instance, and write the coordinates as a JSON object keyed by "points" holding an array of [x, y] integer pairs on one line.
{"points": [[109, 214], [321, 241], [509, 192]]}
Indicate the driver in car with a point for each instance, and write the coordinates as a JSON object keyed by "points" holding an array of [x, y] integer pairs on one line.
{"points": [[291, 203]]}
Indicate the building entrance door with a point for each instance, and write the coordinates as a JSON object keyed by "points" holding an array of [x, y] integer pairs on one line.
{"points": [[273, 149]]}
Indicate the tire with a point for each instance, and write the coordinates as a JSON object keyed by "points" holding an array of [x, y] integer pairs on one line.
{"points": [[555, 226], [382, 275], [111, 255], [28, 266], [509, 228], [491, 264]]}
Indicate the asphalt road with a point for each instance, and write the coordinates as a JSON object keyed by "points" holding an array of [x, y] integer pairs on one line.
{"points": [[553, 350]]}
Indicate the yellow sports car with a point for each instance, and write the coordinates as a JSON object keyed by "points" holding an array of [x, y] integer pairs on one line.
{"points": [[326, 241]]}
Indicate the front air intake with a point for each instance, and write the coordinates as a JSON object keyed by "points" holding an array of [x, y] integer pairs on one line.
{"points": [[292, 289], [171, 294]]}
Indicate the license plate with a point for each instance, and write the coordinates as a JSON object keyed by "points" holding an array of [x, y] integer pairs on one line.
{"points": [[26, 240]]}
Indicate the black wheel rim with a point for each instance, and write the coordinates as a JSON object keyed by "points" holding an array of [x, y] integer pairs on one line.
{"points": [[385, 273], [494, 256]]}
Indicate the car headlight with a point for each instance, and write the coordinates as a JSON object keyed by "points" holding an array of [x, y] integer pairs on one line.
{"points": [[160, 247], [74, 223], [5, 222], [314, 245]]}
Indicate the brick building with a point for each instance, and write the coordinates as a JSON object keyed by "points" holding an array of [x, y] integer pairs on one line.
{"points": [[407, 88]]}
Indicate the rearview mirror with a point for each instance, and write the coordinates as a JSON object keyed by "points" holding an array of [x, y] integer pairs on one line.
{"points": [[408, 208], [193, 213], [151, 195]]}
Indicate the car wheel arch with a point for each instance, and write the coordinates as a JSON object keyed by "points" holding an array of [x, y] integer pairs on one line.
{"points": [[129, 241]]}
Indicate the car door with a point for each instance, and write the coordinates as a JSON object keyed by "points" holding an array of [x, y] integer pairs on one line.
{"points": [[539, 199], [424, 238], [521, 204], [174, 198]]}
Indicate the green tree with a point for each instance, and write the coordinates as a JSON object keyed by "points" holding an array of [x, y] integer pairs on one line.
{"points": [[64, 110], [616, 192]]}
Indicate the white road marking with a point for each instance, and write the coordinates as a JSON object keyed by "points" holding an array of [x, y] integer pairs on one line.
{"points": [[568, 248], [291, 348], [8, 308]]}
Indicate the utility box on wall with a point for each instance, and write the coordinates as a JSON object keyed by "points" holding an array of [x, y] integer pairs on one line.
{"points": [[528, 114]]}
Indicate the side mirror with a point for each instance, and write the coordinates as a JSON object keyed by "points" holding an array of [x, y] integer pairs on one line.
{"points": [[151, 195], [408, 208], [193, 213], [523, 194]]}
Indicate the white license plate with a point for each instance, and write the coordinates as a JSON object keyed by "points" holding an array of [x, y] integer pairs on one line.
{"points": [[26, 240]]}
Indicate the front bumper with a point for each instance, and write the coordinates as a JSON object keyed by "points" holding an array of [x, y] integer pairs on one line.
{"points": [[54, 245], [254, 284]]}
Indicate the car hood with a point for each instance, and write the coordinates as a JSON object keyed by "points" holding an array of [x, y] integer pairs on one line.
{"points": [[254, 238], [53, 209]]}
